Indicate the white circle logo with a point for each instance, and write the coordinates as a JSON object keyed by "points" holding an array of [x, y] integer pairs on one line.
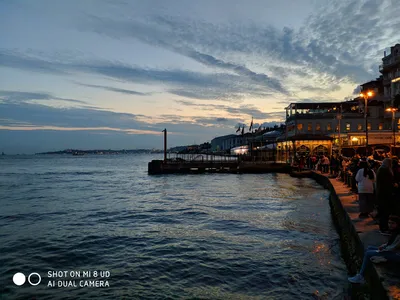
{"points": [[34, 283], [19, 278]]}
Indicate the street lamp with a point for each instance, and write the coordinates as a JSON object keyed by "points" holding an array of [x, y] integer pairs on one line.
{"points": [[393, 110], [366, 95]]}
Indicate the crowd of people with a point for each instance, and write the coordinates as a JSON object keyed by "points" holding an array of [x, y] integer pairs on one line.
{"points": [[376, 180]]}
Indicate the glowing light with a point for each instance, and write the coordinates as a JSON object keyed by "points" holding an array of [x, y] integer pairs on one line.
{"points": [[367, 94]]}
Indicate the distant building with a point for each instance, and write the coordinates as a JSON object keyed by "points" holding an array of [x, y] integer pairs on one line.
{"points": [[227, 142], [390, 70]]}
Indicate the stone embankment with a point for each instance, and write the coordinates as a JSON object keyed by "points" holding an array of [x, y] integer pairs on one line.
{"points": [[383, 280]]}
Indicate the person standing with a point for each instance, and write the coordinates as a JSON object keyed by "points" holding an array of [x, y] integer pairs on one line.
{"points": [[365, 178], [384, 187], [396, 184]]}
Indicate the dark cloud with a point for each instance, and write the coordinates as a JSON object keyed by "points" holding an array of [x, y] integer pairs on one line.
{"points": [[41, 115], [357, 90], [222, 119], [208, 94], [17, 97], [343, 39], [166, 34], [8, 58], [181, 82], [113, 89]]}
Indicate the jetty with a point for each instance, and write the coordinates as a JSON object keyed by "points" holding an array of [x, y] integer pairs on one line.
{"points": [[209, 163], [215, 163]]}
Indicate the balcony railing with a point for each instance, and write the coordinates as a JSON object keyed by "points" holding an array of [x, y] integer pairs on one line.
{"points": [[392, 61], [327, 115]]}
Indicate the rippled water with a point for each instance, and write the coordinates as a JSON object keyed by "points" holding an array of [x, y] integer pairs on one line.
{"points": [[208, 236]]}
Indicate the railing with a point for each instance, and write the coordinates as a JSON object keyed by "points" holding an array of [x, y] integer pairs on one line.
{"points": [[327, 115], [393, 60], [206, 158]]}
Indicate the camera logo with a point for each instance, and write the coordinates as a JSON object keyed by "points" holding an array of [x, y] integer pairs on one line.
{"points": [[20, 278]]}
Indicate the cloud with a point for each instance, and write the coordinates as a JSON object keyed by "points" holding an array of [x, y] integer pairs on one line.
{"points": [[9, 59], [17, 97], [181, 82], [16, 116], [337, 42], [41, 115], [113, 89], [249, 110]]}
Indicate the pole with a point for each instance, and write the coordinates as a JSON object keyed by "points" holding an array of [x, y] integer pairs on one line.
{"points": [[366, 125], [165, 144], [394, 130], [340, 118]]}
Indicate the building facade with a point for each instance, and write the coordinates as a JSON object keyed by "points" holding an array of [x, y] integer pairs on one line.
{"points": [[344, 122], [390, 69]]}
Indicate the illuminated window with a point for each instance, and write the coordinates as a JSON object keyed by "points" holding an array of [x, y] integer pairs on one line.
{"points": [[318, 127], [348, 126], [398, 124], [369, 126], [329, 127], [300, 126], [359, 127], [309, 127], [380, 127], [337, 128]]}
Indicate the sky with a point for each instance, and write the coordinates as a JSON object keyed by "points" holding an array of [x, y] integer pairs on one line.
{"points": [[112, 74]]}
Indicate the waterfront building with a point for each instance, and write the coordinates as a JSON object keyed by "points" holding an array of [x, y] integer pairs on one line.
{"points": [[320, 128], [390, 69]]}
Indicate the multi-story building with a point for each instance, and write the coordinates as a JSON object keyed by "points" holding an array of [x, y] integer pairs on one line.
{"points": [[390, 70], [308, 124]]}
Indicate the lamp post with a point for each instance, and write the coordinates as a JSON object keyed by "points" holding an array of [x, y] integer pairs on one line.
{"points": [[366, 95], [393, 110]]}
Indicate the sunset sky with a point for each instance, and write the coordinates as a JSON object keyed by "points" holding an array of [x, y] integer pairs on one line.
{"points": [[113, 74]]}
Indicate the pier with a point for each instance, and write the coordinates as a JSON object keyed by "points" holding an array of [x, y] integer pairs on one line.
{"points": [[201, 163]]}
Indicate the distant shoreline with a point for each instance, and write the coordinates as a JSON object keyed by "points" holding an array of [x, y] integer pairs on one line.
{"points": [[101, 152]]}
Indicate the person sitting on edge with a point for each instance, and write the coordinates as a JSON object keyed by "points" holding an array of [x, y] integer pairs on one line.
{"points": [[386, 252]]}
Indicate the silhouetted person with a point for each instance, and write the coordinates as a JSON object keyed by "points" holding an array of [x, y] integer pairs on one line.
{"points": [[384, 187]]}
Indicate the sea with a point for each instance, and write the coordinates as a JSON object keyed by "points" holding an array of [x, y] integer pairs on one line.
{"points": [[100, 227]]}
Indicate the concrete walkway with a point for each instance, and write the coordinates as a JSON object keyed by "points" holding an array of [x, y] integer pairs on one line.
{"points": [[368, 232]]}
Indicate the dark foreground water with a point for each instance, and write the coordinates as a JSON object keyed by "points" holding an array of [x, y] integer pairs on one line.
{"points": [[211, 236]]}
